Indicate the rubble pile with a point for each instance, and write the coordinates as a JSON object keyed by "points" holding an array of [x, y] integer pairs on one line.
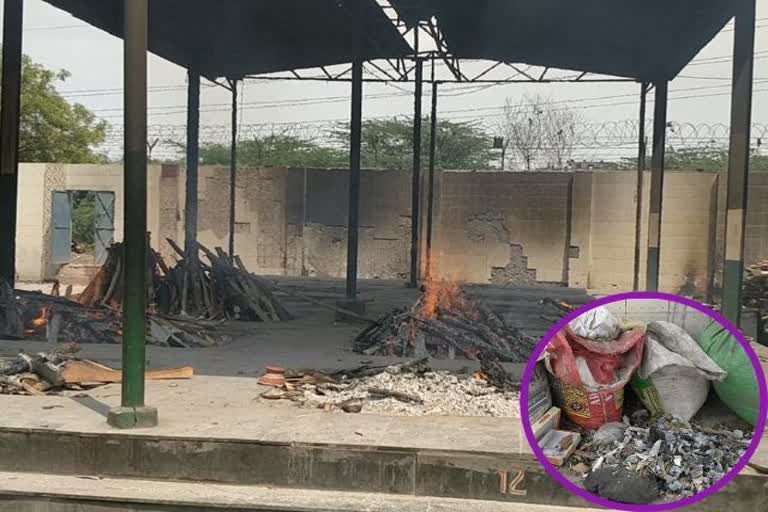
{"points": [[445, 321], [404, 390], [682, 458]]}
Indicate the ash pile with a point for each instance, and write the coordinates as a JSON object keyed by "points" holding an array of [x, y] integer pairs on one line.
{"points": [[445, 322], [666, 458], [411, 389], [187, 303]]}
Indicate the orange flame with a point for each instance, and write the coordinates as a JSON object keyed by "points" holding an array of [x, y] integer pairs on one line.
{"points": [[42, 319]]}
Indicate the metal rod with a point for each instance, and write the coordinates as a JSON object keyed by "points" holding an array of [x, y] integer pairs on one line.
{"points": [[193, 164], [340, 78], [431, 179], [657, 186], [738, 164], [233, 174], [13, 21], [641, 155], [135, 187], [416, 176], [355, 138]]}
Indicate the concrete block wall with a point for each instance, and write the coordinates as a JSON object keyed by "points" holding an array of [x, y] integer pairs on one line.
{"points": [[609, 201], [486, 218], [515, 228]]}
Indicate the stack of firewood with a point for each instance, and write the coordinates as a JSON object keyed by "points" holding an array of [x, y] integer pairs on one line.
{"points": [[444, 329], [756, 286], [220, 288]]}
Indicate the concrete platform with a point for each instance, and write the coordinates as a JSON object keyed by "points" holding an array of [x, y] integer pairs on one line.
{"points": [[25, 492], [212, 430]]}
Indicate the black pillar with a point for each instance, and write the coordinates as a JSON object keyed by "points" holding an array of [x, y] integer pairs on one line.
{"points": [[13, 14], [355, 138], [738, 164], [641, 154], [193, 164], [233, 173], [431, 178], [657, 185], [416, 176]]}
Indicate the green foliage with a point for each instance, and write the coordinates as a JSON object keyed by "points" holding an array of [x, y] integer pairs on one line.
{"points": [[84, 218], [700, 159], [52, 129], [274, 150], [387, 144]]}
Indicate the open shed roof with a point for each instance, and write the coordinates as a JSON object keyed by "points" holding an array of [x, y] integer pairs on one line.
{"points": [[232, 38], [645, 40]]}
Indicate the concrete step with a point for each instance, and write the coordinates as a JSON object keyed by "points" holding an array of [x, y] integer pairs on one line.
{"points": [[28, 492]]}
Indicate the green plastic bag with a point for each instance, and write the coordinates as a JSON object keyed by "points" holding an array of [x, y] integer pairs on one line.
{"points": [[739, 391]]}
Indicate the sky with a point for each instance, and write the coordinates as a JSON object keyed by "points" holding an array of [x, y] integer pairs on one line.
{"points": [[94, 59]]}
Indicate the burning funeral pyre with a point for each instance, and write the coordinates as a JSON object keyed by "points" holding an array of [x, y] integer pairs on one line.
{"points": [[187, 303], [445, 321]]}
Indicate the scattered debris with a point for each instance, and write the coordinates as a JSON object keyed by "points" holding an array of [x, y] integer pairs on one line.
{"points": [[682, 457], [45, 372], [443, 322], [411, 389]]}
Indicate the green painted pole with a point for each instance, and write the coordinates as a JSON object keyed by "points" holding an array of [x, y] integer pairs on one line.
{"points": [[641, 156], [657, 186], [738, 163], [133, 413]]}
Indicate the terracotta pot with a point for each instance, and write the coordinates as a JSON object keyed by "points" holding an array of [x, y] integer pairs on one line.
{"points": [[275, 376]]}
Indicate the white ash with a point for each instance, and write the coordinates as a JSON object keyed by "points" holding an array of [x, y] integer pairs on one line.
{"points": [[441, 393]]}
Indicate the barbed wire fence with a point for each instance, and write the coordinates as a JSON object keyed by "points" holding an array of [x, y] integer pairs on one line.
{"points": [[606, 141]]}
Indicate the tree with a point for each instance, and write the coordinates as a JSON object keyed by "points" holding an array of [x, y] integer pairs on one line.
{"points": [[274, 151], [706, 159], [537, 133], [388, 144], [52, 129]]}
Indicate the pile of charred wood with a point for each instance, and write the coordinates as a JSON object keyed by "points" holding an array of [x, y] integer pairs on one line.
{"points": [[756, 286], [445, 322], [187, 303], [219, 289]]}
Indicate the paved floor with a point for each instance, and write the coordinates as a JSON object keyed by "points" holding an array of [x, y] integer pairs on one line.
{"points": [[313, 339], [227, 408]]}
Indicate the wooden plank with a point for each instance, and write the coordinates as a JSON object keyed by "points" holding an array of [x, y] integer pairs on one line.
{"points": [[74, 372]]}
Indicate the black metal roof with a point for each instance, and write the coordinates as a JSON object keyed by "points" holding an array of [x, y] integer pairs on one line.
{"points": [[646, 40], [232, 38]]}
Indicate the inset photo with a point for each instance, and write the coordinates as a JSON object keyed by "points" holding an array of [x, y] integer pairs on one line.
{"points": [[644, 401]]}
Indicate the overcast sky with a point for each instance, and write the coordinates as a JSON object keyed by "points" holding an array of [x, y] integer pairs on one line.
{"points": [[94, 58]]}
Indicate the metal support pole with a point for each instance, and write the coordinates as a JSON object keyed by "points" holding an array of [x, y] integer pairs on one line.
{"points": [[416, 177], [738, 164], [133, 413], [233, 174], [13, 14], [641, 155], [356, 127], [657, 185], [193, 164], [431, 179]]}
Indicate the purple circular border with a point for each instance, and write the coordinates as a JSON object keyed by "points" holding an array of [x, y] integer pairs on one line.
{"points": [[552, 470]]}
